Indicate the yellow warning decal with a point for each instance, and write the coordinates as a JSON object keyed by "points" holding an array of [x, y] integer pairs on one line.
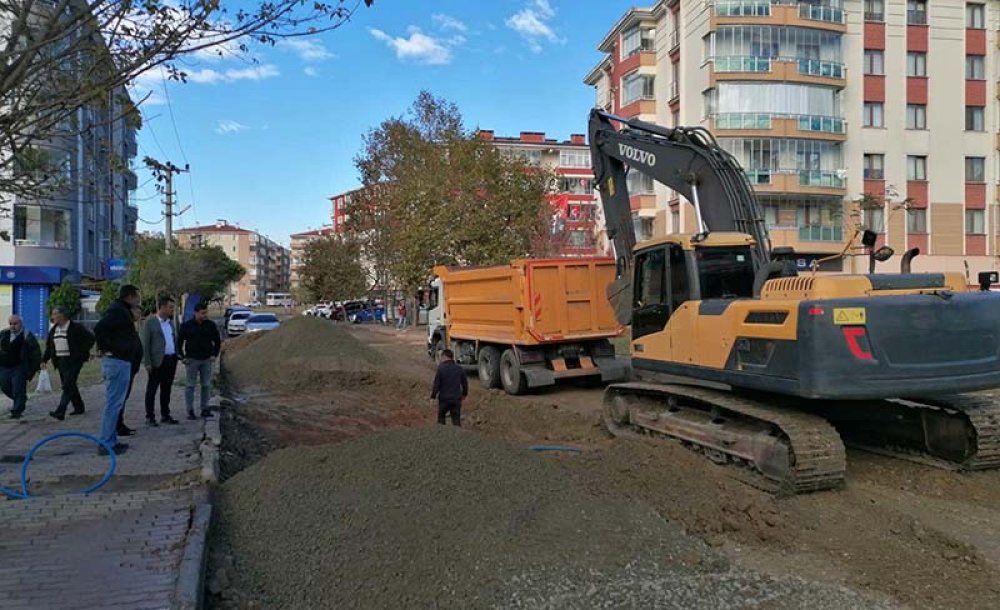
{"points": [[849, 315]]}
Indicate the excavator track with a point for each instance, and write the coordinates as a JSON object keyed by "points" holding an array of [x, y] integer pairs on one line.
{"points": [[957, 432], [782, 450]]}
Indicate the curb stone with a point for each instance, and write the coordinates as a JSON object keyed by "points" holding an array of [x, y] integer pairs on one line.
{"points": [[189, 589]]}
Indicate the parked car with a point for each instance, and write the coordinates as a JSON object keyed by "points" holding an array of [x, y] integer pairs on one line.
{"points": [[322, 311], [254, 304], [368, 313], [238, 322], [347, 309], [261, 321], [231, 310]]}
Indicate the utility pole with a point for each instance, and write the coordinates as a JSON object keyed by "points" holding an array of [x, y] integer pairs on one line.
{"points": [[165, 174]]}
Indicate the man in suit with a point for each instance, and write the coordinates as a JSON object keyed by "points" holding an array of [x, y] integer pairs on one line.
{"points": [[20, 359], [159, 355], [68, 348]]}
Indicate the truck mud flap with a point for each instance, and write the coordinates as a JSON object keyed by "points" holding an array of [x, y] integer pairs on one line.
{"points": [[538, 376], [613, 369]]}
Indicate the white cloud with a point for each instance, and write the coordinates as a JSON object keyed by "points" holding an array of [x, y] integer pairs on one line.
{"points": [[228, 127], [447, 22], [533, 24], [219, 52], [310, 71], [418, 47], [210, 76], [307, 50], [147, 88]]}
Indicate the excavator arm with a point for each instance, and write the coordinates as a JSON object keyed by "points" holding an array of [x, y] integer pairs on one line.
{"points": [[686, 159]]}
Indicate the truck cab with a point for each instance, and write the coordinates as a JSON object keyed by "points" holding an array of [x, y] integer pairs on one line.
{"points": [[436, 336]]}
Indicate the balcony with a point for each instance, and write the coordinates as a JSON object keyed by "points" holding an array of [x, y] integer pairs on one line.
{"points": [[817, 67], [783, 125], [875, 17], [741, 63], [820, 178], [675, 40], [818, 12], [675, 91], [743, 8], [821, 233]]}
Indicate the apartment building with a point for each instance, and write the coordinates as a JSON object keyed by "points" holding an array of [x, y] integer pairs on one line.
{"points": [[267, 263], [575, 215], [84, 228], [298, 244], [844, 114]]}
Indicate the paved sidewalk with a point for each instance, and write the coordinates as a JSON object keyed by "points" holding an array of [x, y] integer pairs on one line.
{"points": [[120, 547]]}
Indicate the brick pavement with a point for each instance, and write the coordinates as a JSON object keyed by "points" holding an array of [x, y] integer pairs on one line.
{"points": [[120, 547]]}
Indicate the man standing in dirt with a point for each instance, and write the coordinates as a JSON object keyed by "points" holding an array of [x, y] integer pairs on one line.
{"points": [[159, 354], [118, 342], [199, 347], [450, 387]]}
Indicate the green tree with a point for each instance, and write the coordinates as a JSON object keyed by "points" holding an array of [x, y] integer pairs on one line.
{"points": [[109, 293], [435, 193], [61, 55], [332, 271], [66, 296], [206, 271]]}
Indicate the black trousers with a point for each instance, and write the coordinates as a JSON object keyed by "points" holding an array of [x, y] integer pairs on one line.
{"points": [[161, 378], [69, 373], [454, 407]]}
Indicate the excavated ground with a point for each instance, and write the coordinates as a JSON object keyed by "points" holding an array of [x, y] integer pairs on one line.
{"points": [[385, 517]]}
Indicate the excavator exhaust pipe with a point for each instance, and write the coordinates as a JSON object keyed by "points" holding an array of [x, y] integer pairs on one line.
{"points": [[904, 265]]}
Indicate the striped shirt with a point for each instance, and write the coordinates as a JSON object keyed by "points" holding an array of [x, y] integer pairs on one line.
{"points": [[61, 340]]}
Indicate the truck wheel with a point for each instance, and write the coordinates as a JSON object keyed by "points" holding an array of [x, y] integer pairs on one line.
{"points": [[510, 374], [489, 367]]}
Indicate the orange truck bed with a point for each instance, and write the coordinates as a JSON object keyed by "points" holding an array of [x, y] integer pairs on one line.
{"points": [[530, 302]]}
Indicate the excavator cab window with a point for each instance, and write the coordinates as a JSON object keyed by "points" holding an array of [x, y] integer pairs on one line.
{"points": [[725, 272], [660, 286]]}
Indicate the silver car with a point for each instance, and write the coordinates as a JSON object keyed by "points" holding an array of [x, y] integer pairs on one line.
{"points": [[262, 321]]}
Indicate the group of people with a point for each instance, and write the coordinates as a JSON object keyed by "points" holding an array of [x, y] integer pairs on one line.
{"points": [[125, 342]]}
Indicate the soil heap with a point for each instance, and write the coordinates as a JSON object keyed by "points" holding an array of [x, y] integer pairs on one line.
{"points": [[297, 355], [440, 517]]}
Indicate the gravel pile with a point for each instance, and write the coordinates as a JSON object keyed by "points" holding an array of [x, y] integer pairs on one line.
{"points": [[439, 517], [294, 356]]}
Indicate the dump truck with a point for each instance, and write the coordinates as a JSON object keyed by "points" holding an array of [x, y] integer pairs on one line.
{"points": [[528, 324]]}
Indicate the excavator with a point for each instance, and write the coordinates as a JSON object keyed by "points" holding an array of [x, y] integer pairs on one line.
{"points": [[742, 358]]}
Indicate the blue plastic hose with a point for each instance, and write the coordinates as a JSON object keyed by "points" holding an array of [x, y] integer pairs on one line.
{"points": [[23, 494], [556, 448]]}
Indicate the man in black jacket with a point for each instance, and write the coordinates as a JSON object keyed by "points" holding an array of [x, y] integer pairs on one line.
{"points": [[118, 342], [68, 348], [450, 387], [199, 346], [20, 359]]}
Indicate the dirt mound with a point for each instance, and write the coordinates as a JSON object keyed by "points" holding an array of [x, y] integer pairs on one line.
{"points": [[231, 346], [288, 358], [438, 517]]}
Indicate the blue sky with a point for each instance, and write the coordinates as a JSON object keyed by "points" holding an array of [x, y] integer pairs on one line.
{"points": [[269, 141]]}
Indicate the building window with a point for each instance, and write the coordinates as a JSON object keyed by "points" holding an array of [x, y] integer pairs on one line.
{"points": [[916, 12], [46, 227], [873, 114], [916, 220], [636, 87], [575, 185], [574, 158], [874, 62], [916, 167], [874, 10], [975, 67], [916, 116], [874, 167], [874, 219], [639, 183], [974, 118], [975, 16], [637, 39], [975, 169], [916, 64], [975, 222]]}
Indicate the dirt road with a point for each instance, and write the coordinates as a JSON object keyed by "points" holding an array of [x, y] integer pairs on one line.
{"points": [[920, 537]]}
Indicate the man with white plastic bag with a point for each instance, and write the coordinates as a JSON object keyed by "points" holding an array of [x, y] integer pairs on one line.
{"points": [[68, 347]]}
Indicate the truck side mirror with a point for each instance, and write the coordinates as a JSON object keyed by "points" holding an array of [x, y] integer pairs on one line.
{"points": [[868, 238], [988, 278]]}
